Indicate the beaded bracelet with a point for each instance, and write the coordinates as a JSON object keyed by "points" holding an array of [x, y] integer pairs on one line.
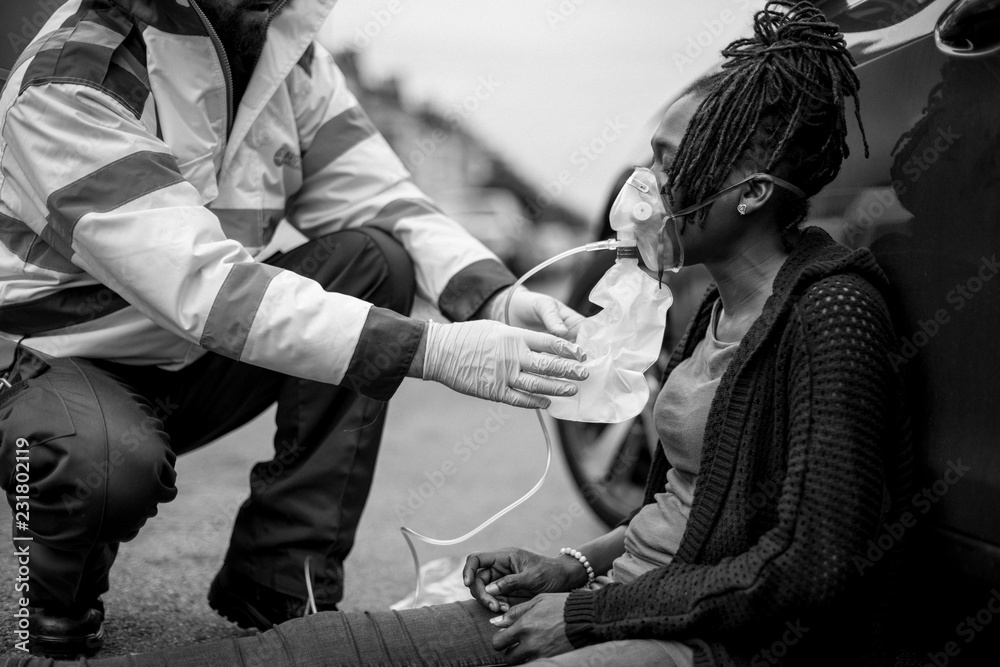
{"points": [[566, 551]]}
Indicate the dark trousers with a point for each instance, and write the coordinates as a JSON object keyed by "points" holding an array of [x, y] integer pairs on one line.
{"points": [[457, 634], [103, 437]]}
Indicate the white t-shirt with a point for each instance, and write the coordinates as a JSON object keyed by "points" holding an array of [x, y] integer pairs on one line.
{"points": [[680, 413]]}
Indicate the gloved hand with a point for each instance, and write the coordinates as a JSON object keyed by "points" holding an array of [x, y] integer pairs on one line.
{"points": [[500, 363], [539, 312]]}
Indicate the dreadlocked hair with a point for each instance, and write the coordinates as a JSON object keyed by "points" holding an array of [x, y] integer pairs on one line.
{"points": [[777, 106]]}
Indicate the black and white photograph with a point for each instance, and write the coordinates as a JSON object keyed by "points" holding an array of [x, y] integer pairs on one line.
{"points": [[469, 333]]}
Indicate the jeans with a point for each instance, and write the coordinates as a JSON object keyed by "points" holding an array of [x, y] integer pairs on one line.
{"points": [[104, 437], [456, 634]]}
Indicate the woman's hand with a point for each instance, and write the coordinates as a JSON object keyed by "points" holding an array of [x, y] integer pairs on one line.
{"points": [[533, 629], [495, 576]]}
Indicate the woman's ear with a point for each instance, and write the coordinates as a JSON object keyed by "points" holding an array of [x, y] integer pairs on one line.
{"points": [[755, 195]]}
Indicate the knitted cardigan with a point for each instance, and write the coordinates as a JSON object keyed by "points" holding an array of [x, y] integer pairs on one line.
{"points": [[806, 461]]}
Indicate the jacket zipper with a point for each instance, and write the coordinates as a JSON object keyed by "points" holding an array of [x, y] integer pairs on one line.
{"points": [[226, 70], [270, 17], [274, 12]]}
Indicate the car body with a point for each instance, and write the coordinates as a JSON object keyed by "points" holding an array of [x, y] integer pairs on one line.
{"points": [[927, 203]]}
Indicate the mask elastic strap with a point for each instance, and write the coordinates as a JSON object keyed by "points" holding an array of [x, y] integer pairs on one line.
{"points": [[783, 183], [711, 200]]}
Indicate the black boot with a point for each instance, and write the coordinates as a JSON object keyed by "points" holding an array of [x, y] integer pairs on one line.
{"points": [[251, 605], [66, 632]]}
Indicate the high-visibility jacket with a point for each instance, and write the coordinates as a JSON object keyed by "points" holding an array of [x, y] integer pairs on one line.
{"points": [[135, 199]]}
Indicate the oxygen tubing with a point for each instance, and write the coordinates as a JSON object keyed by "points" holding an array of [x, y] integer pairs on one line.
{"points": [[408, 533]]}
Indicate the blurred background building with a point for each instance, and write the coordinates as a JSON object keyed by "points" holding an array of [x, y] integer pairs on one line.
{"points": [[518, 117], [469, 180]]}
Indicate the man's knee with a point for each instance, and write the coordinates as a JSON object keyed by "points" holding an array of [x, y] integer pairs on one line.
{"points": [[84, 496], [395, 283], [365, 262], [140, 476], [98, 462]]}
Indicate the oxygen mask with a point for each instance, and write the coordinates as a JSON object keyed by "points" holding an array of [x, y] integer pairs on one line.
{"points": [[639, 213]]}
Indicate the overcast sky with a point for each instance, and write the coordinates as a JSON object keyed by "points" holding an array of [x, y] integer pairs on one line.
{"points": [[565, 89]]}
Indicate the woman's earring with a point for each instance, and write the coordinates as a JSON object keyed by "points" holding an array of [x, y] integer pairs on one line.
{"points": [[742, 208]]}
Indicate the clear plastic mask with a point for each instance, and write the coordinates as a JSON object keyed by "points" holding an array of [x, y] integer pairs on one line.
{"points": [[640, 206]]}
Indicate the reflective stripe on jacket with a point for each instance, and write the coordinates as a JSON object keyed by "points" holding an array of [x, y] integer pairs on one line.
{"points": [[130, 221]]}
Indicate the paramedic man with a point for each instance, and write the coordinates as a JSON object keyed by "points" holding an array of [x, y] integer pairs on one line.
{"points": [[149, 148]]}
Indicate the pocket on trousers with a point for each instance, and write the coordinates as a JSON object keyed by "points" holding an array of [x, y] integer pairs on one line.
{"points": [[54, 421], [37, 413]]}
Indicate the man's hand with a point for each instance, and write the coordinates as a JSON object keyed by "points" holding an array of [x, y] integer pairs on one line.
{"points": [[500, 363], [538, 312], [533, 629], [495, 576]]}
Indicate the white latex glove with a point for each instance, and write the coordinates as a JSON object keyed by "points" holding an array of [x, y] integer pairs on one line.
{"points": [[500, 363], [539, 312]]}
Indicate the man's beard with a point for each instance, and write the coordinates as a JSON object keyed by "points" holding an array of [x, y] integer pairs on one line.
{"points": [[242, 32]]}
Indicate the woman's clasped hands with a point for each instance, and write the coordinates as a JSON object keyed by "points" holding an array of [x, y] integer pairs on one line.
{"points": [[530, 591]]}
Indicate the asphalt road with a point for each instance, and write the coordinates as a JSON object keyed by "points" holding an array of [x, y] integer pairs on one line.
{"points": [[440, 470]]}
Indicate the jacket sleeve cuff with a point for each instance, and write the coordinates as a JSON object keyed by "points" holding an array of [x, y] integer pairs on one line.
{"points": [[578, 614], [383, 354], [472, 287]]}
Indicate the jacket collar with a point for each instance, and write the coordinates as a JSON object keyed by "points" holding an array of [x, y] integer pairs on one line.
{"points": [[176, 17], [288, 36], [291, 32]]}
